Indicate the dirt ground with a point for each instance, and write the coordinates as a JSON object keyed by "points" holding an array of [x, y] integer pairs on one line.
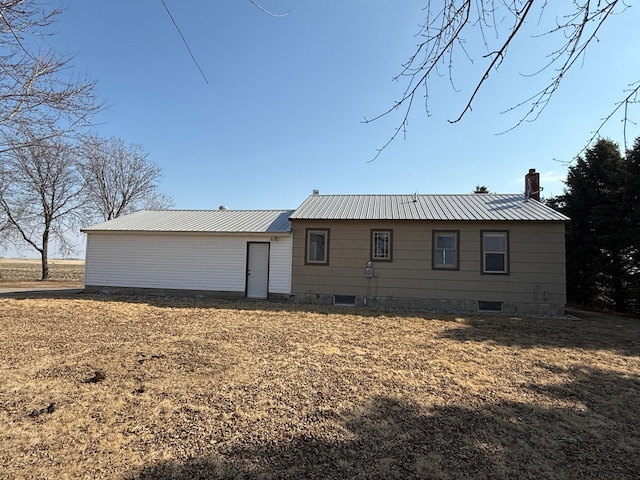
{"points": [[121, 387]]}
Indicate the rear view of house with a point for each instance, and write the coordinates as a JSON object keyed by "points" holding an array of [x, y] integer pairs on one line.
{"points": [[224, 253], [475, 252], [445, 252]]}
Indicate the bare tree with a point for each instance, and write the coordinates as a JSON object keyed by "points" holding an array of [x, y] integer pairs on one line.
{"points": [[36, 84], [120, 178], [4, 222], [454, 28], [158, 201], [41, 193]]}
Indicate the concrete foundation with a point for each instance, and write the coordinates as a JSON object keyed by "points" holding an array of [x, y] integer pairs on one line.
{"points": [[473, 306]]}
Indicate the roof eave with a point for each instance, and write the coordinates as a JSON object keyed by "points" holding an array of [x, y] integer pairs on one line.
{"points": [[201, 232]]}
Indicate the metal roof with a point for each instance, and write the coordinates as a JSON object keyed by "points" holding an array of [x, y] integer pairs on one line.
{"points": [[213, 221], [467, 207]]}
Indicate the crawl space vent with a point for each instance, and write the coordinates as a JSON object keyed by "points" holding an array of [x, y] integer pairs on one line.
{"points": [[485, 306], [344, 300]]}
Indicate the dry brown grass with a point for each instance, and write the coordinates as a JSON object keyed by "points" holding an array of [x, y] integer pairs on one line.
{"points": [[202, 389], [26, 273]]}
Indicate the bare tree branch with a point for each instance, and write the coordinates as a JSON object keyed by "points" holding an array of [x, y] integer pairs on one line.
{"points": [[36, 86], [498, 57], [630, 99], [453, 27], [574, 49]]}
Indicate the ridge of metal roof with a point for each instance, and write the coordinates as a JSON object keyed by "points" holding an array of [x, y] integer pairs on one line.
{"points": [[209, 221], [446, 207]]}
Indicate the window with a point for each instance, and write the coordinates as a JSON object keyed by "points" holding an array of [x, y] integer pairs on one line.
{"points": [[445, 250], [317, 246], [381, 245], [495, 248]]}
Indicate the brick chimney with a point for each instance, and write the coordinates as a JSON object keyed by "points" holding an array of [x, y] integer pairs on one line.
{"points": [[532, 185]]}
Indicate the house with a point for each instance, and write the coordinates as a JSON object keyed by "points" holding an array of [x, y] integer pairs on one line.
{"points": [[476, 252], [226, 253]]}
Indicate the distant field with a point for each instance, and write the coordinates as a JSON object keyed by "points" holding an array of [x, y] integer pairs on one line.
{"points": [[200, 389], [24, 271]]}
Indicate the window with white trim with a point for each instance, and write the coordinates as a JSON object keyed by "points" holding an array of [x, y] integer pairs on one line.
{"points": [[317, 246], [495, 248], [381, 245], [445, 249]]}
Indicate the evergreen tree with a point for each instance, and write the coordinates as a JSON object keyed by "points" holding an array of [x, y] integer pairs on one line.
{"points": [[602, 239], [632, 199]]}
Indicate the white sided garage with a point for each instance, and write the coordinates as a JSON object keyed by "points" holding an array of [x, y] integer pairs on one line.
{"points": [[228, 253]]}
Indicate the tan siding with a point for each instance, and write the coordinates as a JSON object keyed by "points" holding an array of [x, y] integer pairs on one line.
{"points": [[536, 259]]}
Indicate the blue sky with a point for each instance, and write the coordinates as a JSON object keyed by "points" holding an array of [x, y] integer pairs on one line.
{"points": [[282, 112]]}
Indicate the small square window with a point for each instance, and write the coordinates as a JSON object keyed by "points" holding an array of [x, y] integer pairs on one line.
{"points": [[317, 246], [381, 245], [495, 249], [445, 250]]}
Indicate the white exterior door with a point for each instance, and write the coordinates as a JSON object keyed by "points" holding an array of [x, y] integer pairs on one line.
{"points": [[258, 270]]}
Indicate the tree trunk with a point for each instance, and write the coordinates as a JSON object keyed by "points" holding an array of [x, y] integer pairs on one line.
{"points": [[44, 254], [619, 294]]}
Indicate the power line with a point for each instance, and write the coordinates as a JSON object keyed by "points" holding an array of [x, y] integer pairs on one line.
{"points": [[268, 12], [185, 41]]}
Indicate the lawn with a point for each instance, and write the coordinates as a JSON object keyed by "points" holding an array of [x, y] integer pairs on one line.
{"points": [[205, 389]]}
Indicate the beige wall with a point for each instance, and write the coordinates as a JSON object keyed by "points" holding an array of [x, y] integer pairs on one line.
{"points": [[536, 276]]}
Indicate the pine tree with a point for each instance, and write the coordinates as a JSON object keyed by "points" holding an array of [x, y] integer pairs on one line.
{"points": [[632, 199], [602, 238]]}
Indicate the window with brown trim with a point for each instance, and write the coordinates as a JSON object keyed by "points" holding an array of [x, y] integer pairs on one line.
{"points": [[317, 246], [495, 252], [446, 252], [381, 245]]}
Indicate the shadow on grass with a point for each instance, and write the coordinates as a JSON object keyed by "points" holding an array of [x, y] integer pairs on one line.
{"points": [[619, 334], [593, 431], [21, 293]]}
